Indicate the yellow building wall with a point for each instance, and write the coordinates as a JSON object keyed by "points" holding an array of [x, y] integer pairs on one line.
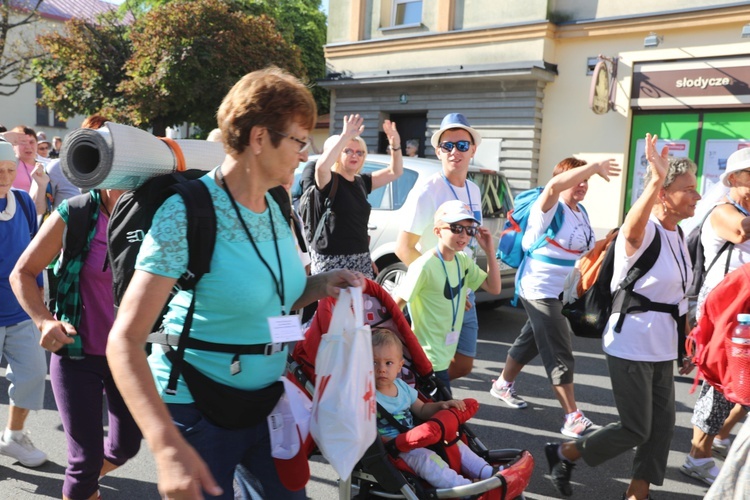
{"points": [[570, 128]]}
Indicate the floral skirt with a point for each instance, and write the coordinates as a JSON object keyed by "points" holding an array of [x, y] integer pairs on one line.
{"points": [[360, 262]]}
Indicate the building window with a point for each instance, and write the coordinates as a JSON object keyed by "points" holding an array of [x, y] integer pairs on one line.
{"points": [[58, 122], [42, 112], [407, 12]]}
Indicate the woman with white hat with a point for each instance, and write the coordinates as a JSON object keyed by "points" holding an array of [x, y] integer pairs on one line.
{"points": [[725, 237], [19, 336]]}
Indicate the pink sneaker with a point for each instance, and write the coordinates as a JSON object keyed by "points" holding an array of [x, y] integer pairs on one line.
{"points": [[578, 426]]}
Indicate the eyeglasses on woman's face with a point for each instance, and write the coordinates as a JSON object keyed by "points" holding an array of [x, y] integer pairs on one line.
{"points": [[458, 229], [349, 152], [303, 145], [462, 146]]}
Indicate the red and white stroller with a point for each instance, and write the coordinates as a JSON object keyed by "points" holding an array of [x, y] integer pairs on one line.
{"points": [[379, 474]]}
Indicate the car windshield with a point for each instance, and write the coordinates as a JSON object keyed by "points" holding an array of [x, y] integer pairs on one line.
{"points": [[393, 195], [496, 196]]}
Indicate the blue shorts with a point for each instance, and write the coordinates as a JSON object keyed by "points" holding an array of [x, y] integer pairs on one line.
{"points": [[27, 364], [467, 340]]}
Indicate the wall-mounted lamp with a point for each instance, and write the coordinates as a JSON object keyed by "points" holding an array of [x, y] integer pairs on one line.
{"points": [[746, 31], [652, 40]]}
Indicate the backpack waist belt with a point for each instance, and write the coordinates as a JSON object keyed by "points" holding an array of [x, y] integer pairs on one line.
{"points": [[168, 340], [628, 302], [552, 260]]}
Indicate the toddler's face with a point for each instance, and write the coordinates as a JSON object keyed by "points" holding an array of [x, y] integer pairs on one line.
{"points": [[388, 361]]}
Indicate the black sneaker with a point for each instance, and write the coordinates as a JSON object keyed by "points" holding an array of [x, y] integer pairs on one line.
{"points": [[559, 470]]}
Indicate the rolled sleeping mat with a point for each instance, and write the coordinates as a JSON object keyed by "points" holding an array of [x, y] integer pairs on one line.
{"points": [[123, 157]]}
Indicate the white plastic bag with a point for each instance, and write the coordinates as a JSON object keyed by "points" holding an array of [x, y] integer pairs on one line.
{"points": [[343, 414]]}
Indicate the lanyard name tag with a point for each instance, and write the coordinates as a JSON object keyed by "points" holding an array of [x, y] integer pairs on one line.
{"points": [[285, 328], [451, 338]]}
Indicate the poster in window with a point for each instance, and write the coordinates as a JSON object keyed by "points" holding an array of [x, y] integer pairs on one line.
{"points": [[715, 159]]}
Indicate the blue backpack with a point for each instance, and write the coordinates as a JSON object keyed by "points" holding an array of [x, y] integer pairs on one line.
{"points": [[509, 247]]}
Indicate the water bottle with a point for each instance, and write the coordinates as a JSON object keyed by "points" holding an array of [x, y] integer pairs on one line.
{"points": [[739, 359]]}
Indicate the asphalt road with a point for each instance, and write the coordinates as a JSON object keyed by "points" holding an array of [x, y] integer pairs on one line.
{"points": [[497, 425]]}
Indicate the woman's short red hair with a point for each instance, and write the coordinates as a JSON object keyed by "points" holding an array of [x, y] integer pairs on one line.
{"points": [[567, 164]]}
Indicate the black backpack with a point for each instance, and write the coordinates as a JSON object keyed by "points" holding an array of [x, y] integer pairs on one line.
{"points": [[697, 257], [130, 221], [588, 314], [318, 218]]}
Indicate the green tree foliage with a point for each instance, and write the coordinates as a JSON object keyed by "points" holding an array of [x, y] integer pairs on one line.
{"points": [[187, 55], [16, 53], [301, 22], [179, 62], [84, 67]]}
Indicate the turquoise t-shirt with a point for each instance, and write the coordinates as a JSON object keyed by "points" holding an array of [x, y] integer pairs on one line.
{"points": [[427, 288], [235, 299], [399, 406]]}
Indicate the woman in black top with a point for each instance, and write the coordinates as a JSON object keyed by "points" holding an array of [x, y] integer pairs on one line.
{"points": [[348, 245]]}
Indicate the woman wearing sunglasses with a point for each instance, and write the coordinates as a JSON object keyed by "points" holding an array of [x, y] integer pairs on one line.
{"points": [[546, 332], [348, 245]]}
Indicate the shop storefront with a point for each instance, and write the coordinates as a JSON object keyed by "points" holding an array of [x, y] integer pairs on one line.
{"points": [[699, 108]]}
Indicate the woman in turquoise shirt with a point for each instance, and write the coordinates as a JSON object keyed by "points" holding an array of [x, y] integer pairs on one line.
{"points": [[265, 120]]}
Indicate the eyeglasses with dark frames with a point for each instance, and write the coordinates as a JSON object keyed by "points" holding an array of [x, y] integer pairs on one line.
{"points": [[458, 229], [462, 146], [349, 151], [303, 145]]}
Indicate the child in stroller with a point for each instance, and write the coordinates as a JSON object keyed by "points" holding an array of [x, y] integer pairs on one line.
{"points": [[378, 473], [400, 402]]}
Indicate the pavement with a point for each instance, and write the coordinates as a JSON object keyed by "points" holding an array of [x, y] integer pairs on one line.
{"points": [[496, 424]]}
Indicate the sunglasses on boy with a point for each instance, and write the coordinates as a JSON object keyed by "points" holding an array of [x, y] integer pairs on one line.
{"points": [[462, 146], [458, 229]]}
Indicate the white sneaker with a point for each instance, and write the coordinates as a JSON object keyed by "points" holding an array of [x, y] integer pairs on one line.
{"points": [[577, 426], [720, 447], [508, 395], [706, 472], [23, 450]]}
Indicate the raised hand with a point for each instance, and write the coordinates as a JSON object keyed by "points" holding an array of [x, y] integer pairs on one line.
{"points": [[39, 176], [659, 162], [353, 126], [484, 238], [394, 139], [608, 168]]}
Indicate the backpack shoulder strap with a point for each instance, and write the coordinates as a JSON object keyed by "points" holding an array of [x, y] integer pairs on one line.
{"points": [[624, 294], [281, 196], [75, 234], [25, 209], [201, 237], [334, 188], [201, 229], [644, 263]]}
